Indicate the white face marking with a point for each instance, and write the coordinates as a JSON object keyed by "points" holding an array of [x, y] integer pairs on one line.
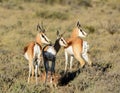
{"points": [[44, 39], [62, 42], [82, 33], [69, 50]]}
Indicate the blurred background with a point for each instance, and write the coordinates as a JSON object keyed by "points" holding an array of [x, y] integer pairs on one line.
{"points": [[99, 18]]}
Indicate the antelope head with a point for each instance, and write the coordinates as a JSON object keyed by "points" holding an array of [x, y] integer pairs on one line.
{"points": [[44, 39], [81, 32], [62, 41]]}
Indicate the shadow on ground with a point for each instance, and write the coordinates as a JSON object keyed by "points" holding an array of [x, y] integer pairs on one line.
{"points": [[67, 77]]}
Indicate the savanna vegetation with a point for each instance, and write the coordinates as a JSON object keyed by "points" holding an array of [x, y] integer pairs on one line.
{"points": [[99, 18]]}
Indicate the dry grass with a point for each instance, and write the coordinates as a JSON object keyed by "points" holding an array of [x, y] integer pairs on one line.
{"points": [[18, 20]]}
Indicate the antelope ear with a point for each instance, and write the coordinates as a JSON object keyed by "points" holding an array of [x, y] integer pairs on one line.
{"points": [[78, 24]]}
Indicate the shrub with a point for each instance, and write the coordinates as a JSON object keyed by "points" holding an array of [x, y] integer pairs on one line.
{"points": [[53, 15], [112, 27], [1, 0], [113, 47], [90, 28], [86, 3]]}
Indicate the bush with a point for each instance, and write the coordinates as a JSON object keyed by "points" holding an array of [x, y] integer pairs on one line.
{"points": [[112, 27], [86, 3], [90, 28], [1, 0], [53, 15]]}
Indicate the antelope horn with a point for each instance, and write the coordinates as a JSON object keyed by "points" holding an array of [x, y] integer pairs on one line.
{"points": [[38, 27], [63, 33], [43, 30]]}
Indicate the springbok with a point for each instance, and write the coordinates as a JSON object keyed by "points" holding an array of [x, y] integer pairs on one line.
{"points": [[33, 52], [50, 52], [55, 78], [77, 47]]}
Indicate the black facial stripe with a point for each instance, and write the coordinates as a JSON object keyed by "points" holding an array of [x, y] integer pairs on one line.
{"points": [[44, 38], [63, 41], [82, 31]]}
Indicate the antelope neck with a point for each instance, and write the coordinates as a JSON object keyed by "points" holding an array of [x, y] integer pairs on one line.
{"points": [[74, 33], [57, 45], [38, 39]]}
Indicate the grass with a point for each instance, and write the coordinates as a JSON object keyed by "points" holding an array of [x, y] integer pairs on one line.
{"points": [[18, 27]]}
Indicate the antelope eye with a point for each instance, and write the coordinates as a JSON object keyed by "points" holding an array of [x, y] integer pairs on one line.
{"points": [[43, 36], [61, 40], [81, 30]]}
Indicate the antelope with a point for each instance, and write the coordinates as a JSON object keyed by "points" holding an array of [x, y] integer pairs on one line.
{"points": [[50, 52], [33, 52], [55, 78], [77, 47]]}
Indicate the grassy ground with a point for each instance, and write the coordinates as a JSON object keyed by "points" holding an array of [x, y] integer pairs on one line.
{"points": [[99, 18]]}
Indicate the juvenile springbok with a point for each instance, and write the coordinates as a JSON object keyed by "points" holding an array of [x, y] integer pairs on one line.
{"points": [[50, 52], [33, 52], [55, 78], [77, 47]]}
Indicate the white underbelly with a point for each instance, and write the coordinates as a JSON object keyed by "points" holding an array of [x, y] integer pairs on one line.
{"points": [[69, 50]]}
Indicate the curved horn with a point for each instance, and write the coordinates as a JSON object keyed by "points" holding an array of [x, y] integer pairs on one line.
{"points": [[42, 25], [60, 35], [63, 33], [43, 30], [38, 27]]}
